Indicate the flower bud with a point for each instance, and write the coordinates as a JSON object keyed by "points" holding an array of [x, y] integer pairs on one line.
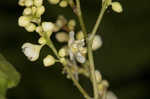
{"points": [[42, 40], [62, 52], [49, 61], [23, 21], [31, 51], [28, 3], [97, 42], [71, 24], [80, 35], [98, 76], [61, 21], [40, 11], [34, 10], [47, 26], [21, 2], [38, 2], [62, 37], [53, 1], [30, 27], [116, 6], [27, 11], [63, 4]]}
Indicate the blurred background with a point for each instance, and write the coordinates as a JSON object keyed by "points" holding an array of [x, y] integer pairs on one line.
{"points": [[124, 59]]}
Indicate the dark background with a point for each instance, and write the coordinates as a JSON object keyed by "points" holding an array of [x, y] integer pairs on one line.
{"points": [[124, 59]]}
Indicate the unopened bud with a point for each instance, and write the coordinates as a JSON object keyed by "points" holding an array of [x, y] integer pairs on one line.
{"points": [[49, 61], [116, 6]]}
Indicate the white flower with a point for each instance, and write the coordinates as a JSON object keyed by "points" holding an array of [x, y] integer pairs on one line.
{"points": [[48, 26], [97, 42], [76, 48], [49, 61], [31, 51]]}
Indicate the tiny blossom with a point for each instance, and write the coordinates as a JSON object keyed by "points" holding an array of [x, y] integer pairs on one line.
{"points": [[63, 4], [27, 11], [80, 58], [40, 11], [62, 37], [47, 26], [97, 42], [23, 21], [31, 51], [79, 35], [34, 10], [61, 21], [74, 48], [21, 2], [62, 52], [30, 27], [71, 24], [116, 6], [49, 61]]}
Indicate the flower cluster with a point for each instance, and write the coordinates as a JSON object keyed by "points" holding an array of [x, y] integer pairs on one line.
{"points": [[74, 50]]}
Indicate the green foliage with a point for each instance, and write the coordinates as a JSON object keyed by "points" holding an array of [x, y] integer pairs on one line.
{"points": [[9, 77]]}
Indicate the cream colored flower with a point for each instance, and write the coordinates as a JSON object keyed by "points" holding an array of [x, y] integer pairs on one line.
{"points": [[31, 51]]}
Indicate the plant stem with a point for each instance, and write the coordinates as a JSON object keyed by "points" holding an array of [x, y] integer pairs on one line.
{"points": [[80, 17], [84, 93], [90, 53], [92, 70], [99, 19]]}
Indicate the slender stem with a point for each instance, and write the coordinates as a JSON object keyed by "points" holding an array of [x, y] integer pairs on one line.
{"points": [[99, 19], [80, 17], [77, 83], [50, 44], [90, 53], [92, 70]]}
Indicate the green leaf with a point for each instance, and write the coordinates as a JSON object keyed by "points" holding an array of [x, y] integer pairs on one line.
{"points": [[9, 77]]}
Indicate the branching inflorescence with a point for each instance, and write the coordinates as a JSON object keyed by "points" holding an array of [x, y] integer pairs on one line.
{"points": [[76, 56]]}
